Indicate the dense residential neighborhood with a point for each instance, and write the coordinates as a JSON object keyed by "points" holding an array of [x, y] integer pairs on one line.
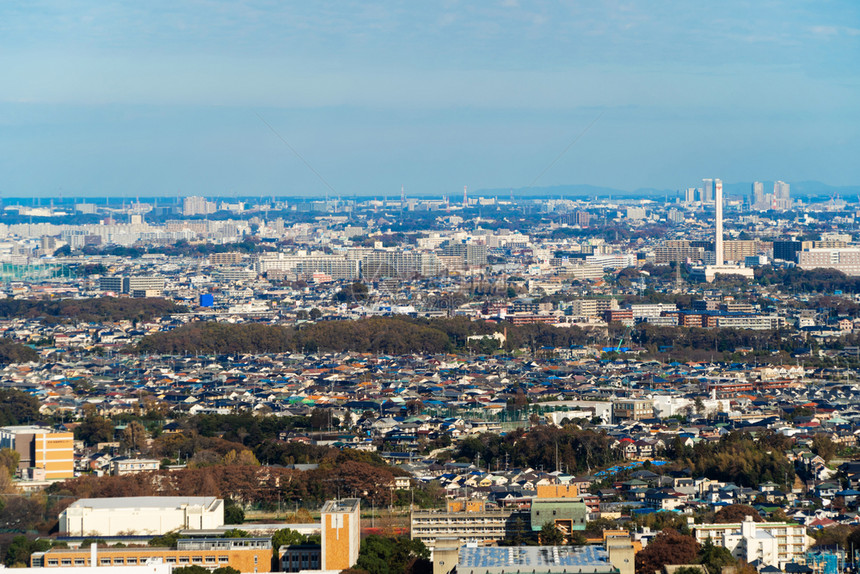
{"points": [[598, 387]]}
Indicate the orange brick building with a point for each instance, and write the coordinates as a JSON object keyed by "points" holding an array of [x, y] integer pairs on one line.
{"points": [[557, 491]]}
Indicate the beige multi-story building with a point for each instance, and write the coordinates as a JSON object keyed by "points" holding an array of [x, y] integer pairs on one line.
{"points": [[678, 251], [336, 266], [592, 307], [633, 409], [773, 543], [51, 453], [468, 521], [736, 250], [581, 272], [845, 260], [230, 258]]}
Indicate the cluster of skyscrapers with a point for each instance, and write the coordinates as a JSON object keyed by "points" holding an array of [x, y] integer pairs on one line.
{"points": [[779, 200]]}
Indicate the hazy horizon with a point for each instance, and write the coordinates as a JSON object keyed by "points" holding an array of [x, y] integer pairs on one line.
{"points": [[166, 98]]}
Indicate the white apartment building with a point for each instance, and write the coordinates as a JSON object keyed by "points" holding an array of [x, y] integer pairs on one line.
{"points": [[646, 310], [773, 543], [752, 322], [123, 466], [592, 307], [338, 266], [581, 272]]}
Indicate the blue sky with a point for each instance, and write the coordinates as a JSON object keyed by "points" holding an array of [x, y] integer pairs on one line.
{"points": [[162, 97]]}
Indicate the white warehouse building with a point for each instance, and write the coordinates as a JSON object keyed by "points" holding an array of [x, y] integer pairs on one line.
{"points": [[141, 515]]}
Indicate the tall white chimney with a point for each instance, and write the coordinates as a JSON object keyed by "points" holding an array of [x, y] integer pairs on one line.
{"points": [[718, 200]]}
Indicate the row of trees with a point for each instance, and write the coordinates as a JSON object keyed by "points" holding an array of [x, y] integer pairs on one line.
{"points": [[569, 448], [243, 428], [404, 335], [12, 352], [389, 335], [97, 309], [738, 457], [682, 339], [379, 335], [237, 475], [796, 280]]}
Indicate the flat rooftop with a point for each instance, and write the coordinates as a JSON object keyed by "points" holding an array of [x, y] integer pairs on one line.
{"points": [[143, 502], [342, 505], [533, 557]]}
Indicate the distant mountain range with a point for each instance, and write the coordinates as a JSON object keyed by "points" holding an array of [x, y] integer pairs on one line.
{"points": [[799, 189]]}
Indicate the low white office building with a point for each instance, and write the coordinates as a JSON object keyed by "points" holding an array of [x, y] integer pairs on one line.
{"points": [[141, 515]]}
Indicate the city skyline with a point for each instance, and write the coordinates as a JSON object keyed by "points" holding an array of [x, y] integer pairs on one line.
{"points": [[167, 99]]}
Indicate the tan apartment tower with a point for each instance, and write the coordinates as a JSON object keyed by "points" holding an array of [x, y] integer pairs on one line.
{"points": [[340, 534]]}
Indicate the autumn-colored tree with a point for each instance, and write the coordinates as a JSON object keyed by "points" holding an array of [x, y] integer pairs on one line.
{"points": [[204, 458], [823, 446], [836, 535], [243, 458], [20, 513], [736, 513], [301, 516], [133, 437], [9, 459], [247, 484], [6, 484], [668, 547]]}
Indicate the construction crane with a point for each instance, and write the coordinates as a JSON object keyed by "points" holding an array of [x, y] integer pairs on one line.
{"points": [[621, 340]]}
